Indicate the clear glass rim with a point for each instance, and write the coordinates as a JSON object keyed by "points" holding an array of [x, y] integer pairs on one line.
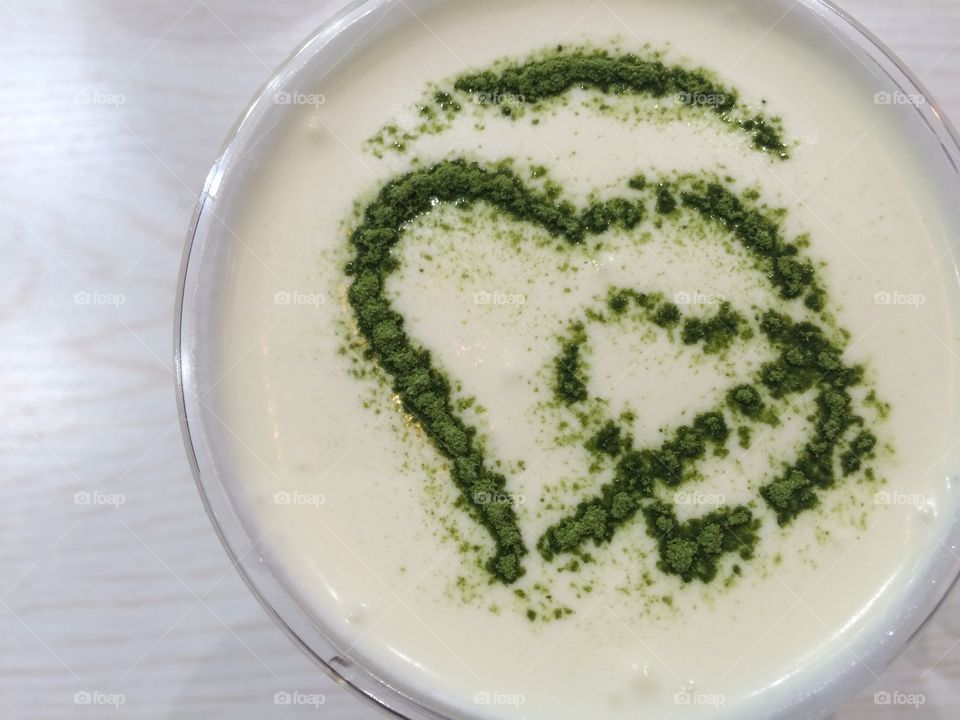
{"points": [[318, 647]]}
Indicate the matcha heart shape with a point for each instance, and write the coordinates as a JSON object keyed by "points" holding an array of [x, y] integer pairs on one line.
{"points": [[808, 348], [808, 360]]}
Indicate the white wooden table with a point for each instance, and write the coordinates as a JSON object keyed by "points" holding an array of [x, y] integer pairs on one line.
{"points": [[116, 599]]}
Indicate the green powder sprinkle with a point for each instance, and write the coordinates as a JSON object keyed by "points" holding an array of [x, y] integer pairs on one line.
{"points": [[557, 72], [607, 441], [806, 359]]}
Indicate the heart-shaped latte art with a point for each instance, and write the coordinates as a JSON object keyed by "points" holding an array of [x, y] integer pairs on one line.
{"points": [[808, 350]]}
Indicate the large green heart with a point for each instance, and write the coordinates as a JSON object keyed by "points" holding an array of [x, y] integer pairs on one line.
{"points": [[809, 352]]}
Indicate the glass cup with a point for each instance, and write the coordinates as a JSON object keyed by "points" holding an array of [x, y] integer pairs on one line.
{"points": [[202, 290]]}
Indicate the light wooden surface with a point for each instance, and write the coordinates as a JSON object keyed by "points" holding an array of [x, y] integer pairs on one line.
{"points": [[111, 112]]}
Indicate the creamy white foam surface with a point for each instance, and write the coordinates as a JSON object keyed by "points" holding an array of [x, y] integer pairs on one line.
{"points": [[354, 507]]}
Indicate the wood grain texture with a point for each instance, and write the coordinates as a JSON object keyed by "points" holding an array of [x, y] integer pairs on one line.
{"points": [[112, 581]]}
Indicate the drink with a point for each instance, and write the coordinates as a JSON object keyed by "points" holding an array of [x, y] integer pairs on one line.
{"points": [[625, 480]]}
